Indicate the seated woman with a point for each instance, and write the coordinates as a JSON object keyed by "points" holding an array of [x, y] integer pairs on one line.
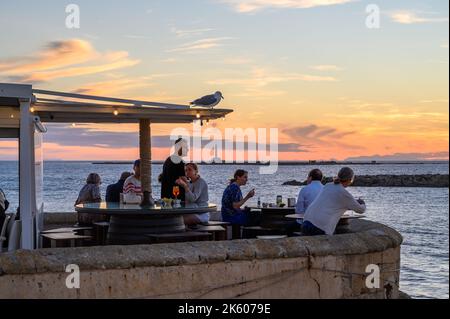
{"points": [[196, 192], [90, 193], [334, 200], [232, 201]]}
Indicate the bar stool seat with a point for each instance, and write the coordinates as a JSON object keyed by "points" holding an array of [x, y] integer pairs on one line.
{"points": [[65, 239]]}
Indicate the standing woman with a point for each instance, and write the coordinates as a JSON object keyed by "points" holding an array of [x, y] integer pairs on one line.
{"points": [[196, 192], [90, 193], [232, 200], [334, 200]]}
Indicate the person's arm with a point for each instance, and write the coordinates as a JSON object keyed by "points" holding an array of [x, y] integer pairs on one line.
{"points": [[238, 204], [193, 196], [358, 206], [300, 207]]}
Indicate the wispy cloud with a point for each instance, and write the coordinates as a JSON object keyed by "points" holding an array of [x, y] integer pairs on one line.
{"points": [[260, 77], [201, 45], [137, 36], [256, 83], [326, 67], [115, 86], [445, 101], [320, 135], [182, 33], [62, 59], [411, 17], [246, 6], [237, 61]]}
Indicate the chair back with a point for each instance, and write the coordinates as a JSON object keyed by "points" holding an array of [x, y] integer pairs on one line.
{"points": [[14, 238], [3, 232], [10, 224]]}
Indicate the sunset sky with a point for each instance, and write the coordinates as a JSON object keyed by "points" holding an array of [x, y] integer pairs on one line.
{"points": [[334, 88]]}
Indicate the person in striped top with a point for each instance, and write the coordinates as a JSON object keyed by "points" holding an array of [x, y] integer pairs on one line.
{"points": [[132, 184]]}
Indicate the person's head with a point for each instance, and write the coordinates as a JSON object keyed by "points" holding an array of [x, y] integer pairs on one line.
{"points": [[191, 170], [315, 175], [125, 175], [93, 178], [137, 168], [240, 177], [345, 177], [181, 147]]}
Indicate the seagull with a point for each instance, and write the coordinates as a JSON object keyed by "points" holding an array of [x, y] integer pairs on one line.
{"points": [[208, 100]]}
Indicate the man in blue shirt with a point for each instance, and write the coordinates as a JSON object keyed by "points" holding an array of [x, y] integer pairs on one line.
{"points": [[310, 192]]}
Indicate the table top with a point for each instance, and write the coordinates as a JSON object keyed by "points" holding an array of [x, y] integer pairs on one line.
{"points": [[107, 208], [275, 208], [345, 216]]}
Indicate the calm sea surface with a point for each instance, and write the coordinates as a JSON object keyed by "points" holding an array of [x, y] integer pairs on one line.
{"points": [[421, 215]]}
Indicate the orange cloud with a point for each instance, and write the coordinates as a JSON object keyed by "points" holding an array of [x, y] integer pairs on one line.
{"points": [[63, 59]]}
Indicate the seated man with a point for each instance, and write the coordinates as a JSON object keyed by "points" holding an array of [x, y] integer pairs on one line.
{"points": [[334, 200], [310, 192], [113, 191]]}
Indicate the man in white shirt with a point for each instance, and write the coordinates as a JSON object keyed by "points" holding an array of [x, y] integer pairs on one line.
{"points": [[309, 193], [334, 200]]}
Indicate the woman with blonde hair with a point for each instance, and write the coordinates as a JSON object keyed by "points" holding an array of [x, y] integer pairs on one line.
{"points": [[196, 192], [334, 200], [90, 193]]}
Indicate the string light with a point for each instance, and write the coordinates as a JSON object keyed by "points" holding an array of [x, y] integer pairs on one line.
{"points": [[32, 109], [73, 125], [12, 116], [198, 115], [116, 112]]}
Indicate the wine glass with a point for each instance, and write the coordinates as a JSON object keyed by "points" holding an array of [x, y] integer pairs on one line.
{"points": [[176, 191]]}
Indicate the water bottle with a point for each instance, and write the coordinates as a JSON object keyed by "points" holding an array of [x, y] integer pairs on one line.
{"points": [[259, 202]]}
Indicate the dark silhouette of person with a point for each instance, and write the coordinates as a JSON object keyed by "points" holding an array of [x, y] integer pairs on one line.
{"points": [[173, 169]]}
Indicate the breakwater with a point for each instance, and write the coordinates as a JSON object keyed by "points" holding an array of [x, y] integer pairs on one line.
{"points": [[430, 180]]}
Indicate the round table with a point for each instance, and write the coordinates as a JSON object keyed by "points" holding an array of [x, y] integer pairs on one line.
{"points": [[130, 224]]}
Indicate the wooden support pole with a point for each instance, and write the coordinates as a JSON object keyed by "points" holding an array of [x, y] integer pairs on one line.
{"points": [[145, 150]]}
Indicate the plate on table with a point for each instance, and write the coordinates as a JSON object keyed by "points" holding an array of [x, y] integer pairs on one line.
{"points": [[272, 237]]}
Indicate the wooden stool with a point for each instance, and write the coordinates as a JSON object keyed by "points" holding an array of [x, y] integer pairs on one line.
{"points": [[178, 237], [236, 231], [218, 232], [64, 239], [227, 225], [101, 232], [67, 230]]}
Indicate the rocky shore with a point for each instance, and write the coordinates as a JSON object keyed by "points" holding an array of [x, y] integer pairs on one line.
{"points": [[390, 181]]}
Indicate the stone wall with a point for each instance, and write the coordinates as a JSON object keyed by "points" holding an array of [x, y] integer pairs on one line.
{"points": [[299, 267]]}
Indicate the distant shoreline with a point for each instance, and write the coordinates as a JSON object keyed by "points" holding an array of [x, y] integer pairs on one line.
{"points": [[292, 163]]}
